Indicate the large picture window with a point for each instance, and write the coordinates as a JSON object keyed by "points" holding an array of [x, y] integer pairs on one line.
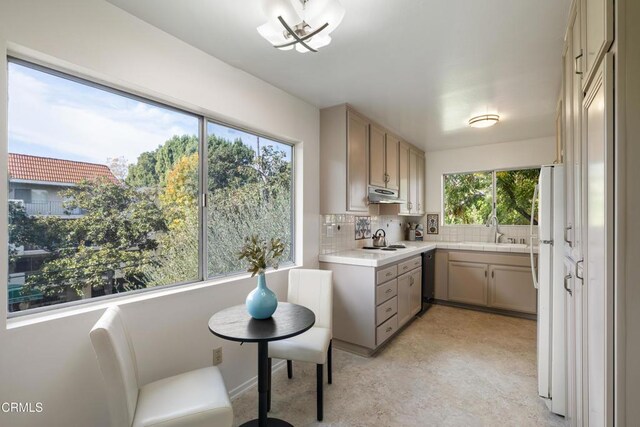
{"points": [[468, 198], [107, 191]]}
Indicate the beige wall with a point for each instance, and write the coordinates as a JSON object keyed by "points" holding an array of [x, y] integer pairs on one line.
{"points": [[50, 360], [530, 152]]}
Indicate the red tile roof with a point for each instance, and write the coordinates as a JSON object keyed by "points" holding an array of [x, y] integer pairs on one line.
{"points": [[35, 168]]}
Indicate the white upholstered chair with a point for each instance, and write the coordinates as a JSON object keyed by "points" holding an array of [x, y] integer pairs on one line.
{"points": [[196, 399], [311, 289]]}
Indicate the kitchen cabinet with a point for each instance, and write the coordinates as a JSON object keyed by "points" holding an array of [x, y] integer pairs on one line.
{"points": [[383, 159], [572, 104], [371, 304], [598, 140], [344, 161], [573, 305], [411, 181], [511, 288], [442, 275], [392, 161], [468, 283], [499, 281], [403, 171], [598, 33], [357, 147], [409, 294], [420, 187], [588, 132]]}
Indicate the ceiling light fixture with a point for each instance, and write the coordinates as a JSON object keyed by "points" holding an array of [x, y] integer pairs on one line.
{"points": [[303, 24], [484, 121]]}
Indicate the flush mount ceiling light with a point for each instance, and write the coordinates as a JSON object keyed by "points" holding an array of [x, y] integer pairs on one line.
{"points": [[484, 121], [303, 24]]}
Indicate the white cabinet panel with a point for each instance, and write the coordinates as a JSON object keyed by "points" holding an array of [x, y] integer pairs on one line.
{"points": [[598, 141], [598, 33]]}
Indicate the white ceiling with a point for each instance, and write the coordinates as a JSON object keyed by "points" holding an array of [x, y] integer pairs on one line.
{"points": [[419, 67]]}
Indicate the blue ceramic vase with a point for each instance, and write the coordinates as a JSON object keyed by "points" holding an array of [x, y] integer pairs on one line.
{"points": [[262, 301]]}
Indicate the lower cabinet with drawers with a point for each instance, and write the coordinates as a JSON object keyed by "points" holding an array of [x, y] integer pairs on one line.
{"points": [[371, 304]]}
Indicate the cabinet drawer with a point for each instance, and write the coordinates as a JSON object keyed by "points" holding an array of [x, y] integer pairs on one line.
{"points": [[388, 328], [409, 265], [386, 291], [386, 274], [386, 310]]}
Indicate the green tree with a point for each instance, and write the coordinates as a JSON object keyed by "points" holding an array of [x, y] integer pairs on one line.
{"points": [[514, 191], [152, 167], [230, 164], [467, 197], [114, 239]]}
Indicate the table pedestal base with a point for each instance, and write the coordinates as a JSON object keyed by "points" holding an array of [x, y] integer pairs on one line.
{"points": [[271, 422]]}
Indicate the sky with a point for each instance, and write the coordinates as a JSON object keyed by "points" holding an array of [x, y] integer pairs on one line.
{"points": [[55, 117]]}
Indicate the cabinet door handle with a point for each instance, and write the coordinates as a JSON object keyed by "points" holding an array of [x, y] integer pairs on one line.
{"points": [[492, 272], [577, 58], [566, 234], [566, 283], [485, 273], [577, 275]]}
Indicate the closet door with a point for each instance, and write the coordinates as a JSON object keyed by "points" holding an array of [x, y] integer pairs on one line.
{"points": [[598, 287]]}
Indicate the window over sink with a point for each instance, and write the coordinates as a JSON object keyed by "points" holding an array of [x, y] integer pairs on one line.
{"points": [[473, 197]]}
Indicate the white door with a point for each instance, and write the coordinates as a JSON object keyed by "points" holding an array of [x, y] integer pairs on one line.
{"points": [[598, 142]]}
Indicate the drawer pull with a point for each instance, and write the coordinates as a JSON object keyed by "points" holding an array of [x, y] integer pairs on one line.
{"points": [[389, 329], [388, 291], [388, 309], [388, 274]]}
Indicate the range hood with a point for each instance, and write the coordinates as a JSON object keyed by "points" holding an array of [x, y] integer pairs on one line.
{"points": [[379, 195]]}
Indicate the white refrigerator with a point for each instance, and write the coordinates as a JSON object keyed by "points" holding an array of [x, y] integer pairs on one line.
{"points": [[552, 382]]}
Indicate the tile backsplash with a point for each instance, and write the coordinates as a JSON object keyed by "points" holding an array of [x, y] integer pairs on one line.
{"points": [[481, 233], [338, 232]]}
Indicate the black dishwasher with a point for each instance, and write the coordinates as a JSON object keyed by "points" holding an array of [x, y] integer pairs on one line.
{"points": [[428, 278]]}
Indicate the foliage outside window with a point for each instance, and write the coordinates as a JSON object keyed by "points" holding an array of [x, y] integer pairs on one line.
{"points": [[105, 191], [468, 197]]}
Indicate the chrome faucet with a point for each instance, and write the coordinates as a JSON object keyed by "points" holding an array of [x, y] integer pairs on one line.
{"points": [[492, 221]]}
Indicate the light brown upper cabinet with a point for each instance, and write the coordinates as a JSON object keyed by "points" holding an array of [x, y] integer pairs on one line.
{"points": [[597, 34], [404, 177], [383, 159], [344, 161], [411, 181]]}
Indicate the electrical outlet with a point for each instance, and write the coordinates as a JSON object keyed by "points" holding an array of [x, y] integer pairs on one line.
{"points": [[217, 356]]}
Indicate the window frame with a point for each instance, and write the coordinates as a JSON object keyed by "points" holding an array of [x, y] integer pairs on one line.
{"points": [[204, 117], [494, 191]]}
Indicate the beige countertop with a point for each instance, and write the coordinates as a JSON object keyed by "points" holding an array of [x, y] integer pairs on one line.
{"points": [[378, 258]]}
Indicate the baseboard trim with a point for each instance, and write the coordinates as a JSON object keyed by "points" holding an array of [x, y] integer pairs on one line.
{"points": [[486, 309], [251, 382]]}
